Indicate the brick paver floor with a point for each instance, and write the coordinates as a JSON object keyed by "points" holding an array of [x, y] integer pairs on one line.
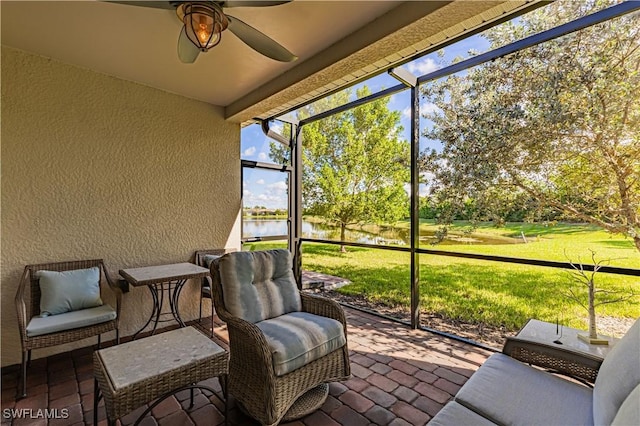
{"points": [[399, 377]]}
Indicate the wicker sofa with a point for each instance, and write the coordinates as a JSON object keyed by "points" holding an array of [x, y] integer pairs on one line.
{"points": [[508, 392]]}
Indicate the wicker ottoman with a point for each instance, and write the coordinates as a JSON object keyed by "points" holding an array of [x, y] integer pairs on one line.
{"points": [[135, 373]]}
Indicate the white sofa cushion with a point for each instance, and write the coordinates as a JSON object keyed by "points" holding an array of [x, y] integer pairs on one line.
{"points": [[70, 320], [509, 392], [629, 412], [618, 376], [458, 415]]}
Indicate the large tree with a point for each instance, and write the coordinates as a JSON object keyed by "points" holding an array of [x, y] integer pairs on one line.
{"points": [[355, 163], [559, 122]]}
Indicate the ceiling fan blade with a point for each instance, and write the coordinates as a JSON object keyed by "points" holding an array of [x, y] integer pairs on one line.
{"points": [[154, 4], [187, 51], [259, 42], [253, 3]]}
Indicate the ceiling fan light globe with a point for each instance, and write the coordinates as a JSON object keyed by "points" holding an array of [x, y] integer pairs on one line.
{"points": [[203, 24], [203, 39]]}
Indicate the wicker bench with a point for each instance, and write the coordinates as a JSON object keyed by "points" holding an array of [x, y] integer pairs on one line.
{"points": [[506, 391], [135, 373]]}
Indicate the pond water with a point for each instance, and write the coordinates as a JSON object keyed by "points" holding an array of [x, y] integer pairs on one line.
{"points": [[385, 236]]}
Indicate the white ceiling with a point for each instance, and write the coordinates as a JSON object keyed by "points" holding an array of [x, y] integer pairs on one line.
{"points": [[139, 43]]}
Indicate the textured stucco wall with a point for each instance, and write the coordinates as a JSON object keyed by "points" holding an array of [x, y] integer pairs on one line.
{"points": [[98, 167]]}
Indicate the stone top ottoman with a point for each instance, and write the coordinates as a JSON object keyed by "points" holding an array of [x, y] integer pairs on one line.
{"points": [[132, 374]]}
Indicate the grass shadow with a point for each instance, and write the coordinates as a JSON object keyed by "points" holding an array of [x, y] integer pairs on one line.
{"points": [[513, 229], [623, 244], [540, 230], [329, 250]]}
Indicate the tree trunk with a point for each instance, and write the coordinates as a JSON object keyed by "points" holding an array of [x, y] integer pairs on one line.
{"points": [[636, 241], [343, 227], [593, 334]]}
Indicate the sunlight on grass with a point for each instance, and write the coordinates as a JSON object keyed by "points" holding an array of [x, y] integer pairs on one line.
{"points": [[464, 289], [476, 291], [559, 242]]}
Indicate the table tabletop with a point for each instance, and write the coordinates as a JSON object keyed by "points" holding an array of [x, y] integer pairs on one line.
{"points": [[546, 332], [163, 273], [132, 362]]}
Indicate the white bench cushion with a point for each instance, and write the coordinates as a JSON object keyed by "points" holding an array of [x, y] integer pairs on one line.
{"points": [[454, 414], [629, 412], [618, 376], [70, 320], [509, 392]]}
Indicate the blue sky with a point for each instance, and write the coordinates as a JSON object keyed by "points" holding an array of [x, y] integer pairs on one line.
{"points": [[268, 188]]}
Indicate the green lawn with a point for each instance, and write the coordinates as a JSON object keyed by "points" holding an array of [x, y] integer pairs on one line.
{"points": [[493, 293], [561, 242]]}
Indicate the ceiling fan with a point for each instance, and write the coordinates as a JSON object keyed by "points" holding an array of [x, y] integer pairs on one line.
{"points": [[204, 22]]}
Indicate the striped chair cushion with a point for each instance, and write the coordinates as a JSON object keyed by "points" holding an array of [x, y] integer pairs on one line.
{"points": [[298, 338], [258, 285]]}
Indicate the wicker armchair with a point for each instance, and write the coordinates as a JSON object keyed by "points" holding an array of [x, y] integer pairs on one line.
{"points": [[203, 258], [255, 293], [38, 332]]}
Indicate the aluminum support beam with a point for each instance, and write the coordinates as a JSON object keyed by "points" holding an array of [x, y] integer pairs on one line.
{"points": [[295, 203], [415, 207], [361, 101], [559, 31]]}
